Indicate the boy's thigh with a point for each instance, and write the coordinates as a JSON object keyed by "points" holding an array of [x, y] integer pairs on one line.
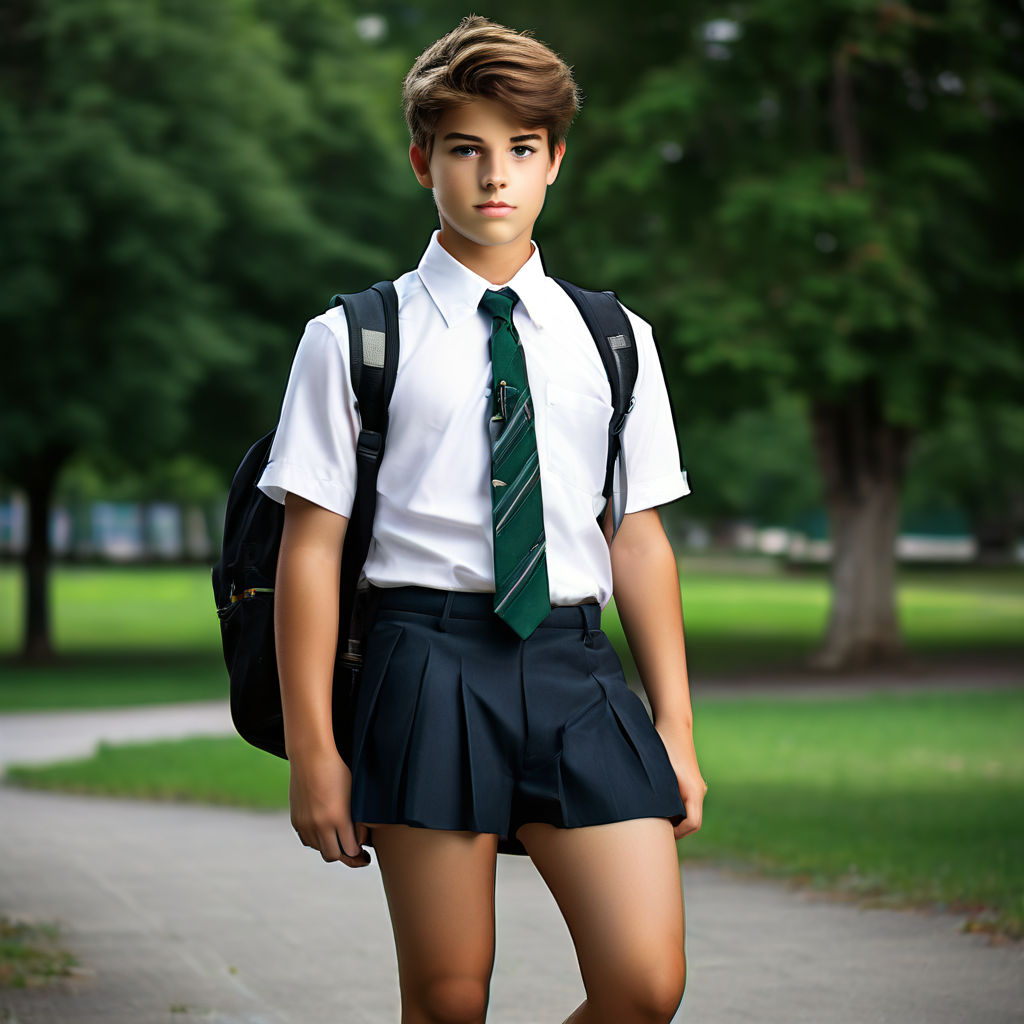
{"points": [[619, 889], [439, 886]]}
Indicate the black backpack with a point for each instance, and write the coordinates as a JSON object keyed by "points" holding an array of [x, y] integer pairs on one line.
{"points": [[243, 578]]}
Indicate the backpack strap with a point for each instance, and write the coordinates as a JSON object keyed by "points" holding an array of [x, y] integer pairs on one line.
{"points": [[372, 317], [613, 334]]}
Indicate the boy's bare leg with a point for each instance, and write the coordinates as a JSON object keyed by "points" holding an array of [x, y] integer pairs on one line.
{"points": [[619, 890], [440, 891]]}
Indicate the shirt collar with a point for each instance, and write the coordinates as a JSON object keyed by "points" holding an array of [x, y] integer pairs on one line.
{"points": [[456, 290]]}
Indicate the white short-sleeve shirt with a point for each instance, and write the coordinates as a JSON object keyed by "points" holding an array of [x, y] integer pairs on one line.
{"points": [[432, 526]]}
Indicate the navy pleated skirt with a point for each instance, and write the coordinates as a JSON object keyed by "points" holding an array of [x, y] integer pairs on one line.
{"points": [[460, 724]]}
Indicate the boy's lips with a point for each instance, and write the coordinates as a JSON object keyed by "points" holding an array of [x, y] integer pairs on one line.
{"points": [[493, 209]]}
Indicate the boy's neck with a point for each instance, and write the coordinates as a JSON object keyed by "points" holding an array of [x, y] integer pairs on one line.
{"points": [[495, 263]]}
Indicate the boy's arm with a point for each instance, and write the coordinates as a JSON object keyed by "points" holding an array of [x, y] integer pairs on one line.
{"points": [[646, 587], [306, 636]]}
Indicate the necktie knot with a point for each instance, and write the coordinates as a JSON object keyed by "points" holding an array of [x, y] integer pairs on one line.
{"points": [[499, 303]]}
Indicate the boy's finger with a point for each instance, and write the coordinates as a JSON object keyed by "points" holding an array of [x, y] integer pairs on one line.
{"points": [[691, 823], [357, 859], [350, 846], [327, 844], [361, 861]]}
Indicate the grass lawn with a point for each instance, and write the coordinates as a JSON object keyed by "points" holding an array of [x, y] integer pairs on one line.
{"points": [[911, 796], [133, 635], [119, 608], [125, 635], [735, 622], [215, 770], [895, 798], [115, 680]]}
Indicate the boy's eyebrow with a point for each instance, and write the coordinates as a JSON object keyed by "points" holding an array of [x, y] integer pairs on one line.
{"points": [[476, 138]]}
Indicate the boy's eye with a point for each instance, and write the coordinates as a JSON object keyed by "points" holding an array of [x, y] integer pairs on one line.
{"points": [[520, 152]]}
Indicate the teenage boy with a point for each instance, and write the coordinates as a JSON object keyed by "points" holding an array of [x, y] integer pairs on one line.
{"points": [[493, 715]]}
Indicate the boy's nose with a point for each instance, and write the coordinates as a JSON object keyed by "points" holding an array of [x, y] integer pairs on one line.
{"points": [[494, 175]]}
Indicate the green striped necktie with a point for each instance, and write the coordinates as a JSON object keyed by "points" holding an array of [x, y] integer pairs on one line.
{"points": [[520, 566]]}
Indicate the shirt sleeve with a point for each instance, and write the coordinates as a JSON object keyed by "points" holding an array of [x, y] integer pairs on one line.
{"points": [[654, 474], [314, 450]]}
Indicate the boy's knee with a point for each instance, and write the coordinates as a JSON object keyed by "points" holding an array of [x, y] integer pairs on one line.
{"points": [[650, 997], [660, 997], [454, 1000]]}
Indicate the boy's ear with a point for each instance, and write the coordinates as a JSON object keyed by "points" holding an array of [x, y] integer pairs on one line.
{"points": [[420, 166], [556, 162]]}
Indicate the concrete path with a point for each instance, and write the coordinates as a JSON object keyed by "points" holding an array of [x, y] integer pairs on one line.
{"points": [[181, 912]]}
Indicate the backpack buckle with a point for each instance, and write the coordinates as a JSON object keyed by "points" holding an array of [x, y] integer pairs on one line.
{"points": [[621, 422], [369, 445]]}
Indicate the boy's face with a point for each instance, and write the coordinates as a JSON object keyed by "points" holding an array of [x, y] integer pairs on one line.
{"points": [[489, 175]]}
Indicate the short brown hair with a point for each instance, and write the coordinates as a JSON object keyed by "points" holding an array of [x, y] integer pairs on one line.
{"points": [[480, 58]]}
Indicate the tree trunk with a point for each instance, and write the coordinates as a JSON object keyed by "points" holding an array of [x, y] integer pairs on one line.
{"points": [[862, 461], [39, 485], [844, 117]]}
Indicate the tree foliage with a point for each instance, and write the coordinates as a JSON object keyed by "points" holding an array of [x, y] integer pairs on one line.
{"points": [[815, 198], [171, 192], [817, 193], [174, 186]]}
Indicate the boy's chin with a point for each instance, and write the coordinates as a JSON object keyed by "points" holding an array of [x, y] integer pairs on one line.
{"points": [[485, 236], [458, 242]]}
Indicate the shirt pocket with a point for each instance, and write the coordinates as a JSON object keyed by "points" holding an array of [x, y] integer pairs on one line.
{"points": [[577, 433]]}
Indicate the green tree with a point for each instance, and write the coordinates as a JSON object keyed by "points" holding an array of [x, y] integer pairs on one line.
{"points": [[347, 161], [968, 464], [819, 197], [170, 203], [751, 465]]}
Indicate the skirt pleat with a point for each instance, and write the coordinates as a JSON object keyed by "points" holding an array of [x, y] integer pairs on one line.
{"points": [[489, 722], [407, 796], [375, 668], [458, 727], [603, 770]]}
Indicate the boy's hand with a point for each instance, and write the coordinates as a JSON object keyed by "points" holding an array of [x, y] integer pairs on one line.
{"points": [[320, 795], [678, 740]]}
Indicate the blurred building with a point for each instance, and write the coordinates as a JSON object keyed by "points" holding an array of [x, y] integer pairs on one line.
{"points": [[118, 531]]}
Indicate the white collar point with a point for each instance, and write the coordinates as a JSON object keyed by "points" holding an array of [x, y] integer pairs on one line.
{"points": [[453, 286]]}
